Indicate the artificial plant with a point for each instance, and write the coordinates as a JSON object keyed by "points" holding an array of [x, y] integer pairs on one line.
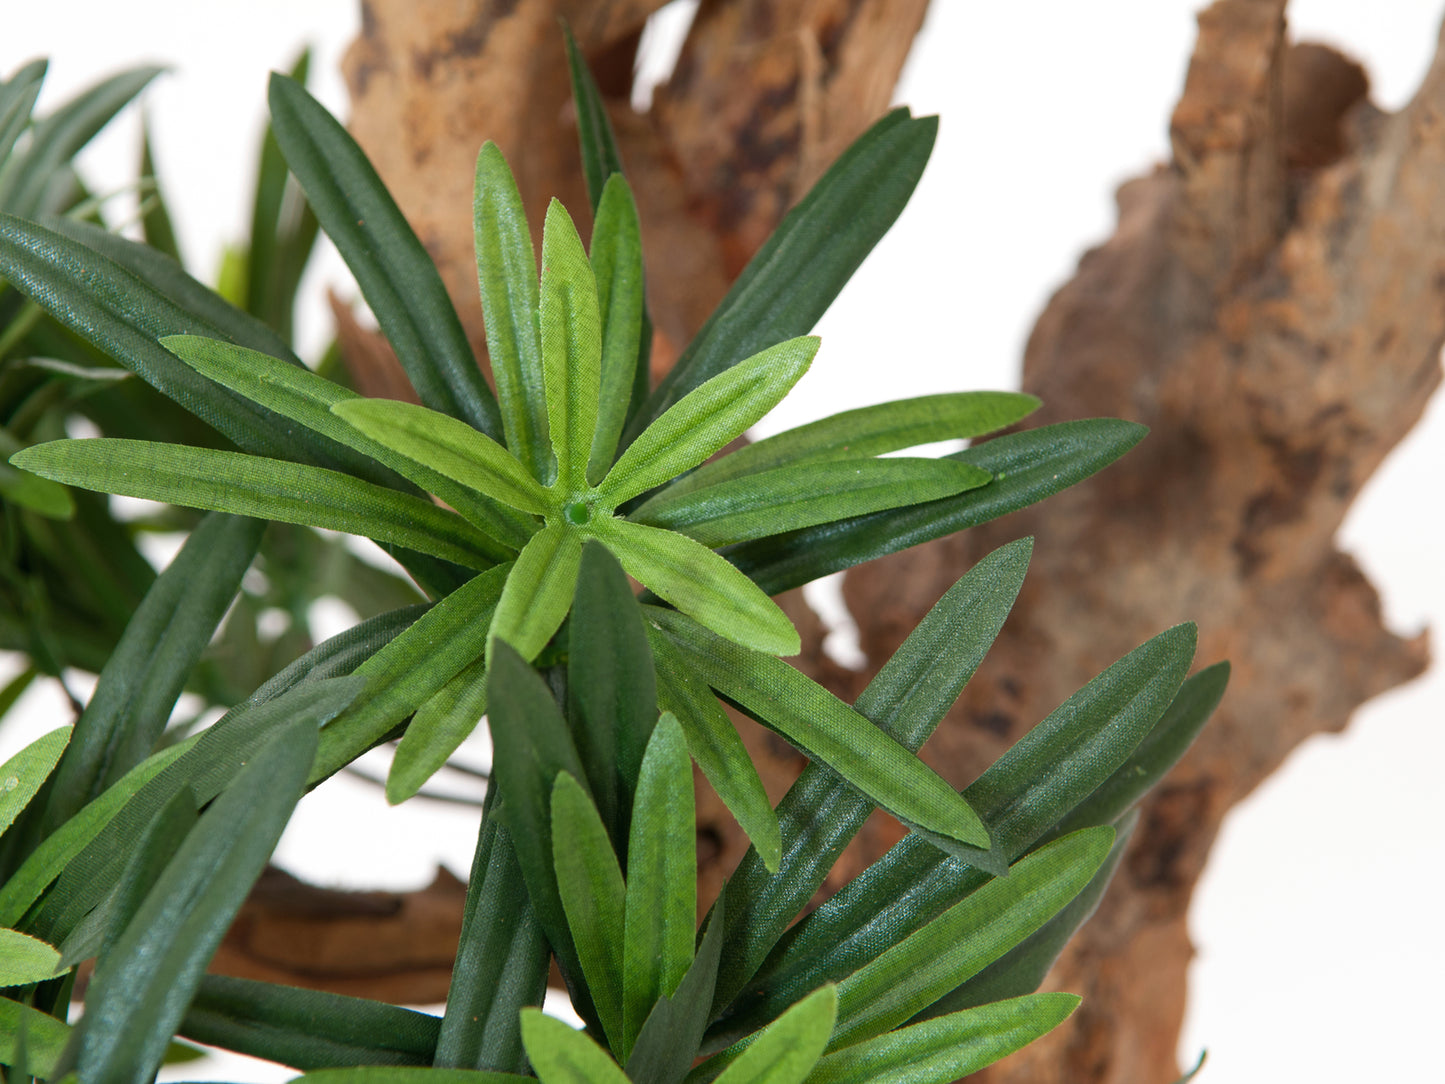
{"points": [[520, 514]]}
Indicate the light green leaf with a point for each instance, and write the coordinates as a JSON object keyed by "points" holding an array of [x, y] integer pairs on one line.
{"points": [[538, 591], [25, 959], [825, 728], [440, 725], [507, 273], [560, 1055], [45, 1037], [589, 881], [616, 257], [30, 491], [571, 334], [447, 446], [707, 418], [22, 775], [915, 972], [700, 584], [789, 498], [661, 880], [382, 1074], [949, 1047], [786, 1051], [250, 485]]}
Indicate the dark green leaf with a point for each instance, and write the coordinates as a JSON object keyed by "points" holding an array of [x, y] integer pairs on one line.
{"points": [[570, 329], [821, 813], [507, 274], [1026, 467], [616, 257], [22, 775], [950, 1047], [396, 276], [17, 100], [306, 1029], [825, 728], [440, 725], [366, 1074], [802, 267], [539, 590], [561, 1055], [670, 1037], [250, 485], [600, 158], [267, 279], [155, 221], [792, 497]]}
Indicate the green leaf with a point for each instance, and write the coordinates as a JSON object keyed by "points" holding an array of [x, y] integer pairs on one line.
{"points": [[369, 1074], [707, 418], [410, 669], [304, 397], [539, 591], [793, 497], [786, 1051], [661, 909], [27, 187], [670, 1037], [29, 491], [600, 159], [440, 725], [502, 959], [14, 689], [142, 987], [611, 685], [949, 1047], [448, 447], [306, 1029], [913, 973], [589, 881], [1026, 467], [714, 743], [396, 276], [803, 266], [17, 100], [561, 1055], [868, 431], [149, 667], [507, 274], [821, 813], [45, 1037], [250, 485], [22, 775], [700, 584], [155, 221], [270, 284], [24, 959], [1048, 772], [616, 257], [571, 336], [826, 729]]}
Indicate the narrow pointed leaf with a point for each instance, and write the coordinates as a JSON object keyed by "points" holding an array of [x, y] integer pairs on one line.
{"points": [[821, 813], [802, 267], [17, 100], [671, 1035], [787, 1050], [589, 882], [24, 960], [707, 418], [410, 669], [867, 431], [713, 742], [571, 335], [148, 670], [142, 987], [304, 397], [396, 276], [700, 584], [45, 1037], [538, 591], [270, 275], [561, 1055], [611, 685], [793, 497], [22, 775], [600, 158], [502, 960], [1026, 467], [447, 446], [306, 1029], [825, 728], [661, 910], [948, 1048], [250, 485], [507, 274], [915, 972], [439, 727], [375, 1074], [156, 227], [616, 257]]}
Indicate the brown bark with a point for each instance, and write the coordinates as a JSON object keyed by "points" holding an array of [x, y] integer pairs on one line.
{"points": [[1272, 305]]}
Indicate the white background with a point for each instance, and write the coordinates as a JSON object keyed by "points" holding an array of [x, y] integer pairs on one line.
{"points": [[1317, 926]]}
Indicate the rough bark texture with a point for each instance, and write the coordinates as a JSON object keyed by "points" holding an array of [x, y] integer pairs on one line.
{"points": [[1272, 305]]}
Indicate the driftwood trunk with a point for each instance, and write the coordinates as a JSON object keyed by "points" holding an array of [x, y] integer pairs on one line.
{"points": [[1272, 305]]}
